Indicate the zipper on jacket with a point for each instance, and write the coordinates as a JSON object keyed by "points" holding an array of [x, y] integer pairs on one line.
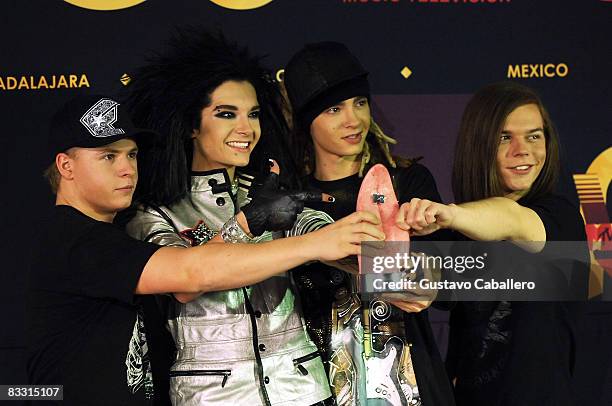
{"points": [[298, 361], [225, 373], [255, 341]]}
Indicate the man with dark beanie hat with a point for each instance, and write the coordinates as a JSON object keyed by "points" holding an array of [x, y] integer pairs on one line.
{"points": [[335, 142], [320, 75]]}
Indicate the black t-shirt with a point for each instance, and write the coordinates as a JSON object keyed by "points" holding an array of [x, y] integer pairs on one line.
{"points": [[317, 283], [519, 353], [84, 328], [592, 321], [561, 219], [413, 181]]}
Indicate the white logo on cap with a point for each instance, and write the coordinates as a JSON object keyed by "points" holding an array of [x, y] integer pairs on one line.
{"points": [[100, 118]]}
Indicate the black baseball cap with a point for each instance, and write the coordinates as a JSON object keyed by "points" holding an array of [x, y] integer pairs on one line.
{"points": [[90, 121]]}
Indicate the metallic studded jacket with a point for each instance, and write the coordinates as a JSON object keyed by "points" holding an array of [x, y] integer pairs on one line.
{"points": [[245, 346]]}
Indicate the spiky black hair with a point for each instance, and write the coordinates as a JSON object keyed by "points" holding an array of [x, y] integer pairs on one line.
{"points": [[170, 91]]}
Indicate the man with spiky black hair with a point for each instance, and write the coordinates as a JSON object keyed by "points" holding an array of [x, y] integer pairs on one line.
{"points": [[220, 120]]}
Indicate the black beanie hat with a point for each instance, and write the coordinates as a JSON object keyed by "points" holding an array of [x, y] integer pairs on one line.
{"points": [[321, 75]]}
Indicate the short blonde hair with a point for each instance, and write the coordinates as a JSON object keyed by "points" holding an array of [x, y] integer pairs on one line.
{"points": [[52, 173], [53, 177]]}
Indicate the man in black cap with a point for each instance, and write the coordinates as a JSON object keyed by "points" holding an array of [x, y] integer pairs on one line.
{"points": [[336, 138], [85, 326]]}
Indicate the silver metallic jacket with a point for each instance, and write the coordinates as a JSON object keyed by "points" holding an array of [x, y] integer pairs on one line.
{"points": [[245, 346]]}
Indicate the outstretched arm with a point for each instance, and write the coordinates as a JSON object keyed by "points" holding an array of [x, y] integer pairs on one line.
{"points": [[493, 219], [214, 267]]}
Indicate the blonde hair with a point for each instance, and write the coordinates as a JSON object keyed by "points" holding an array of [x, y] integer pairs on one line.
{"points": [[383, 141], [53, 177], [52, 174]]}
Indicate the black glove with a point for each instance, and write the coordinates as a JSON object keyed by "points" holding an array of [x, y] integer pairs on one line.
{"points": [[273, 209]]}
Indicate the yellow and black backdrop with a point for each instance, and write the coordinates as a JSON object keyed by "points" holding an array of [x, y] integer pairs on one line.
{"points": [[426, 58]]}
